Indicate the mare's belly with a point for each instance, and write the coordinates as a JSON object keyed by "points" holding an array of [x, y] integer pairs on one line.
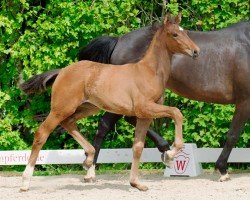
{"points": [[214, 92]]}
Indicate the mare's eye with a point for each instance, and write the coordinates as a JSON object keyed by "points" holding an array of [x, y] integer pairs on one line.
{"points": [[174, 34]]}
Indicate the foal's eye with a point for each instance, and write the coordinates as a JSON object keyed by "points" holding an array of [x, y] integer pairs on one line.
{"points": [[174, 34]]}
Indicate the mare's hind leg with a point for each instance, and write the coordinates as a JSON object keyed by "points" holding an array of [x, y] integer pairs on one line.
{"points": [[106, 124], [70, 125], [241, 116], [40, 138]]}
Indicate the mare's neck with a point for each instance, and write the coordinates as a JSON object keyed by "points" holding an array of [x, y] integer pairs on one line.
{"points": [[157, 58]]}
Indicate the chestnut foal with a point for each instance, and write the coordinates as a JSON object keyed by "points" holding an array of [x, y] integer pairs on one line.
{"points": [[85, 87]]}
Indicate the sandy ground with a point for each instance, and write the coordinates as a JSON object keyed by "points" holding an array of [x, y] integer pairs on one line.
{"points": [[115, 186]]}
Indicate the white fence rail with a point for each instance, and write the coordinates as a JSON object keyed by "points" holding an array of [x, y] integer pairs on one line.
{"points": [[205, 155]]}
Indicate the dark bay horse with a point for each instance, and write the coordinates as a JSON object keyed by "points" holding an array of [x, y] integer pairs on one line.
{"points": [[83, 88], [220, 75]]}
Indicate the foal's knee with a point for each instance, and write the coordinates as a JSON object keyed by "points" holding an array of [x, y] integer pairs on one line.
{"points": [[138, 148]]}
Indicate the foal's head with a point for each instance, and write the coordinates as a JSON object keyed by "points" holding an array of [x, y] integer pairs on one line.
{"points": [[177, 40]]}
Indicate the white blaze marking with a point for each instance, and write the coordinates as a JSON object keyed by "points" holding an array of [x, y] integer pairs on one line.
{"points": [[181, 29]]}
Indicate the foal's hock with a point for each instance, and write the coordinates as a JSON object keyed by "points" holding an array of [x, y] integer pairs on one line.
{"points": [[85, 87]]}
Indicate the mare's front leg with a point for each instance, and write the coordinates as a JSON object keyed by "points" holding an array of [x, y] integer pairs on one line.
{"points": [[142, 126], [241, 116]]}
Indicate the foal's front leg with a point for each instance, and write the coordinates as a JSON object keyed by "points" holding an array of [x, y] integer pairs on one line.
{"points": [[153, 110], [142, 126]]}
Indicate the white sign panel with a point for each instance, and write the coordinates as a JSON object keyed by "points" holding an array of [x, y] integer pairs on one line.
{"points": [[185, 162], [45, 157], [77, 156]]}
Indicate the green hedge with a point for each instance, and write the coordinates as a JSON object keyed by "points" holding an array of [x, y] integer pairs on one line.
{"points": [[37, 36]]}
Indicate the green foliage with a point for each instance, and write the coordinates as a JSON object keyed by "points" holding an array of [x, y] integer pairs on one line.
{"points": [[40, 35], [210, 14]]}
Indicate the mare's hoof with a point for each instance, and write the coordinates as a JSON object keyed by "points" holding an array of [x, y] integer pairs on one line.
{"points": [[89, 179], [139, 186], [224, 178]]}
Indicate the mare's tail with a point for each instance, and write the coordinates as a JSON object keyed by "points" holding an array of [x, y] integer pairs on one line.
{"points": [[98, 50]]}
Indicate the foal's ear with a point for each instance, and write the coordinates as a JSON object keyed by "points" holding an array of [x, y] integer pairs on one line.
{"points": [[167, 19], [178, 18]]}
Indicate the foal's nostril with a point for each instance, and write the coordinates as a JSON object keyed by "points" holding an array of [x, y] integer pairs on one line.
{"points": [[195, 53]]}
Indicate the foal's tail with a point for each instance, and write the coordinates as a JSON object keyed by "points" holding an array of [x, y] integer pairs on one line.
{"points": [[39, 83], [98, 50]]}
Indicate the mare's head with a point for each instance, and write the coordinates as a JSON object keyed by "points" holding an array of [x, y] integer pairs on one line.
{"points": [[176, 38]]}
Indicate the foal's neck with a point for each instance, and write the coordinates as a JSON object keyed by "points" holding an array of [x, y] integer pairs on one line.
{"points": [[157, 58]]}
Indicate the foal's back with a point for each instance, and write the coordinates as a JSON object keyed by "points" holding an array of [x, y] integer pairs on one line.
{"points": [[107, 86]]}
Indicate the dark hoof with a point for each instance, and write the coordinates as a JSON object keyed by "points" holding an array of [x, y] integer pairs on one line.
{"points": [[89, 180]]}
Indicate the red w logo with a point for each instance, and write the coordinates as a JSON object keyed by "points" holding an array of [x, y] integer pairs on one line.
{"points": [[180, 164]]}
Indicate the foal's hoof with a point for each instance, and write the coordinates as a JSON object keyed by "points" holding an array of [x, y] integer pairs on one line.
{"points": [[89, 179], [139, 186], [224, 177], [167, 159], [25, 185], [23, 189]]}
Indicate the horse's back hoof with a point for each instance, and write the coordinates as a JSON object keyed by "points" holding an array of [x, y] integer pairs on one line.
{"points": [[224, 178], [23, 189], [139, 186], [89, 179]]}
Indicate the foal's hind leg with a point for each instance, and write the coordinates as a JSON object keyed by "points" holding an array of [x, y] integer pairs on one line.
{"points": [[70, 125], [40, 138]]}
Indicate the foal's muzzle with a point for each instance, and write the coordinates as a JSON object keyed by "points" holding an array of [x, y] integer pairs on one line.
{"points": [[195, 54]]}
